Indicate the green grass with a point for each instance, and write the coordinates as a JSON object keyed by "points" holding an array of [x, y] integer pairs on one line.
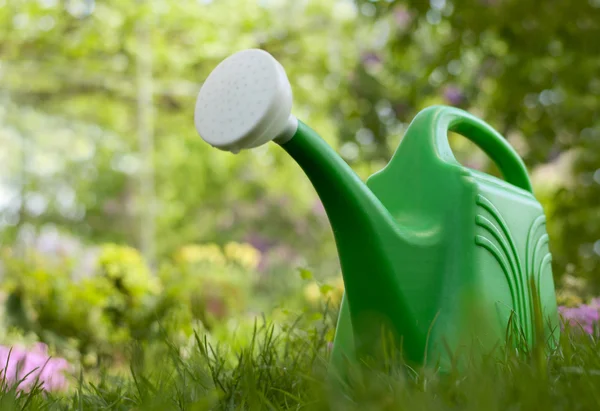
{"points": [[287, 370]]}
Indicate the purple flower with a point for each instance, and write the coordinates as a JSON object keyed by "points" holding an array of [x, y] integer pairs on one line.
{"points": [[51, 242], [259, 242], [370, 59], [277, 256], [28, 368], [586, 316], [453, 95], [401, 16]]}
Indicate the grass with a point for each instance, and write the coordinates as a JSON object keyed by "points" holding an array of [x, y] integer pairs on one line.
{"points": [[286, 370]]}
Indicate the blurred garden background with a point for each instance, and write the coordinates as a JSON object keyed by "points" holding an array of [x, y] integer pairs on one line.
{"points": [[118, 224]]}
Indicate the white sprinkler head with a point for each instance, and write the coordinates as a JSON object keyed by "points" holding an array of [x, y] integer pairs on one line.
{"points": [[245, 102]]}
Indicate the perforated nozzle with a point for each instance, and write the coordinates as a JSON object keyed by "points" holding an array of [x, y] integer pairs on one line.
{"points": [[245, 102]]}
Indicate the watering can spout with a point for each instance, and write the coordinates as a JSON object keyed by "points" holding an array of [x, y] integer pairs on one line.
{"points": [[366, 235]]}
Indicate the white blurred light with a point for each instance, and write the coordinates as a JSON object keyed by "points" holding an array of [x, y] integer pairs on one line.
{"points": [[454, 67], [7, 196], [349, 150], [21, 20], [46, 23], [36, 203], [438, 4], [433, 17], [47, 4], [80, 8], [365, 136], [65, 197], [128, 164], [368, 9]]}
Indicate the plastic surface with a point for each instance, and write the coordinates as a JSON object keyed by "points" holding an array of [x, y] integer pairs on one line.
{"points": [[438, 255], [246, 101]]}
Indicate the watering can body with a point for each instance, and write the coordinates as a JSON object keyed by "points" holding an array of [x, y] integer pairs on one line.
{"points": [[444, 256]]}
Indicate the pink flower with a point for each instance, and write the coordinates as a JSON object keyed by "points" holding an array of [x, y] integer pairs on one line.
{"points": [[28, 368], [595, 303], [586, 316], [318, 208]]}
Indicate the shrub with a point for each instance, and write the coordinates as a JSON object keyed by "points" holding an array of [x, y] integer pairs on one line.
{"points": [[96, 317]]}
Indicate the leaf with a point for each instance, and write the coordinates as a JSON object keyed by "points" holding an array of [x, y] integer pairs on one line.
{"points": [[316, 316], [305, 274], [325, 288]]}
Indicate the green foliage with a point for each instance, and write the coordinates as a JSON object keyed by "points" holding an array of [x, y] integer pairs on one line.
{"points": [[209, 284], [90, 81], [99, 314]]}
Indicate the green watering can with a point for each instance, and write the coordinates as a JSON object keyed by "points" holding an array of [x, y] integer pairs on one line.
{"points": [[436, 255]]}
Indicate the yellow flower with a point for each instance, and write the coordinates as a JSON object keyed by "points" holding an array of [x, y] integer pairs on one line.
{"points": [[333, 291], [125, 265], [312, 292], [243, 254], [338, 291], [198, 253], [568, 299], [338, 284]]}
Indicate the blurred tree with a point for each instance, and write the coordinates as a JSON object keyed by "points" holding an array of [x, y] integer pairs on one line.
{"points": [[360, 70], [75, 63]]}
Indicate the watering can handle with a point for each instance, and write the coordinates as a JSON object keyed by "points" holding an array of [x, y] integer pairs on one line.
{"points": [[444, 119]]}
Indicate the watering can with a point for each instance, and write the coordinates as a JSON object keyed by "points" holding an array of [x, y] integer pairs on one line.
{"points": [[438, 256]]}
